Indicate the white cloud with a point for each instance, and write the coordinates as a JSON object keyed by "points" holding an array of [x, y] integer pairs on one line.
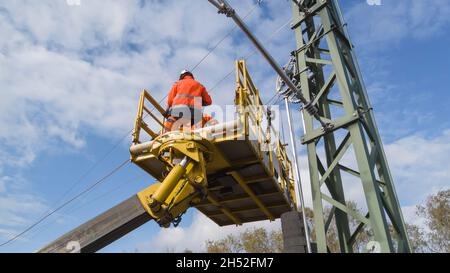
{"points": [[395, 20], [71, 71], [66, 70], [15, 209], [410, 216], [420, 165], [196, 234], [18, 208], [3, 181]]}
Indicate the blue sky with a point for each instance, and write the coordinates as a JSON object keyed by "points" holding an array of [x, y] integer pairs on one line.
{"points": [[70, 78]]}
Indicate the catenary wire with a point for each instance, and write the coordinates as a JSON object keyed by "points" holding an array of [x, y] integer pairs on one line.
{"points": [[98, 182]]}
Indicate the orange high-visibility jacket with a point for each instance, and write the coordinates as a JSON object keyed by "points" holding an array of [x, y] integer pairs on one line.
{"points": [[188, 92]]}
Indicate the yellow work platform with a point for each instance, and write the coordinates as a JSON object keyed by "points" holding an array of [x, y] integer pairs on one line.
{"points": [[248, 172]]}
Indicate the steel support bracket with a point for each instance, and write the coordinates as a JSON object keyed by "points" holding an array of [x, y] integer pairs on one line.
{"points": [[310, 12], [337, 124]]}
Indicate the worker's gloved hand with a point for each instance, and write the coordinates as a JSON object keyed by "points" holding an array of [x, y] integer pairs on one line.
{"points": [[167, 113]]}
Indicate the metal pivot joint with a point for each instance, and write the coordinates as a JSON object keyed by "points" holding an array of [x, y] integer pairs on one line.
{"points": [[183, 186]]}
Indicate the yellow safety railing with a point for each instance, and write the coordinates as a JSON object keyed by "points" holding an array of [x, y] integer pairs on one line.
{"points": [[158, 117], [251, 109]]}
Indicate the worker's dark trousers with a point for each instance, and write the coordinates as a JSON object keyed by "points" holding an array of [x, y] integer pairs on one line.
{"points": [[183, 116]]}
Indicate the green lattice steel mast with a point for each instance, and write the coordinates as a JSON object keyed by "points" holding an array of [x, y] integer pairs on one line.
{"points": [[334, 83]]}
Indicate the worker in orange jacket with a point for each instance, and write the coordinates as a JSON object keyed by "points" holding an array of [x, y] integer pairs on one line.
{"points": [[185, 103]]}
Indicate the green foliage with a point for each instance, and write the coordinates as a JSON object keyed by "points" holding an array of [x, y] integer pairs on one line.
{"points": [[434, 238], [257, 240], [230, 244], [436, 212], [417, 239]]}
